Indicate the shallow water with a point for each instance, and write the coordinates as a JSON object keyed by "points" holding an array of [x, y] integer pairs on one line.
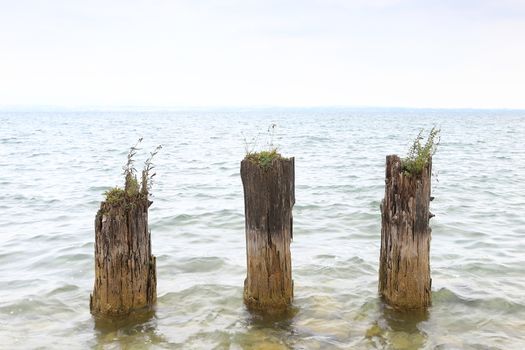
{"points": [[55, 166]]}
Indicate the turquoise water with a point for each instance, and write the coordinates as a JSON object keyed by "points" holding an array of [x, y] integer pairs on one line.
{"points": [[56, 165]]}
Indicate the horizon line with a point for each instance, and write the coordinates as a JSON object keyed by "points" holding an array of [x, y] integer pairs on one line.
{"points": [[145, 108]]}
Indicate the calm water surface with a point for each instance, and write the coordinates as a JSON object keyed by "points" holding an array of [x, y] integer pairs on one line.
{"points": [[56, 165]]}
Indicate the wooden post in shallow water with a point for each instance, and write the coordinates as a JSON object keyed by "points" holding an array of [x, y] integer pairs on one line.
{"points": [[404, 269], [125, 272], [269, 196]]}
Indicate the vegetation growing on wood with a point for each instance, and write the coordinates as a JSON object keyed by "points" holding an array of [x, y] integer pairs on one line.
{"points": [[419, 155], [265, 157], [132, 188], [147, 173], [114, 195]]}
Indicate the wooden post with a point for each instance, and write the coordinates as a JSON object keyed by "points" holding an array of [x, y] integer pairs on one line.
{"points": [[404, 271], [125, 269], [269, 196]]}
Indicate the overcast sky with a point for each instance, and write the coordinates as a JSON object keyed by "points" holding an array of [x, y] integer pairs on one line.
{"points": [[171, 53]]}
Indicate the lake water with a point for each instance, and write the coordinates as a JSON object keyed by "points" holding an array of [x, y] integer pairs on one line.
{"points": [[54, 167]]}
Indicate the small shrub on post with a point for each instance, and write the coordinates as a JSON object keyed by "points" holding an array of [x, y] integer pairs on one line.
{"points": [[269, 195], [404, 271], [125, 269]]}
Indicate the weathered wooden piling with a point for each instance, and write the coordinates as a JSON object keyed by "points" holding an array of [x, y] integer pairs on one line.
{"points": [[404, 271], [269, 196], [125, 269]]}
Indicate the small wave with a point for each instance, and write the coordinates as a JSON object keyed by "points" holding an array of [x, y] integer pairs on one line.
{"points": [[67, 288], [200, 265], [181, 219], [199, 292], [98, 189], [445, 295], [34, 304]]}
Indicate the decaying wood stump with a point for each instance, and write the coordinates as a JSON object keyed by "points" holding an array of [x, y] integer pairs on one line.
{"points": [[404, 270], [269, 196], [125, 269]]}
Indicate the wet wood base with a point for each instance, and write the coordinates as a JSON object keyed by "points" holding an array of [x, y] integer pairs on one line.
{"points": [[125, 269], [269, 196], [404, 270]]}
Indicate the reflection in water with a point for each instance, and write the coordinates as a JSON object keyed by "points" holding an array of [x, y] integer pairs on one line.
{"points": [[111, 324], [403, 320], [398, 329], [136, 328], [282, 319], [269, 330]]}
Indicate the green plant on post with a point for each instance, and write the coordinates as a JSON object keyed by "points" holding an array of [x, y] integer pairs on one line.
{"points": [[132, 188], [147, 173], [419, 154], [115, 195], [130, 173], [265, 157]]}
